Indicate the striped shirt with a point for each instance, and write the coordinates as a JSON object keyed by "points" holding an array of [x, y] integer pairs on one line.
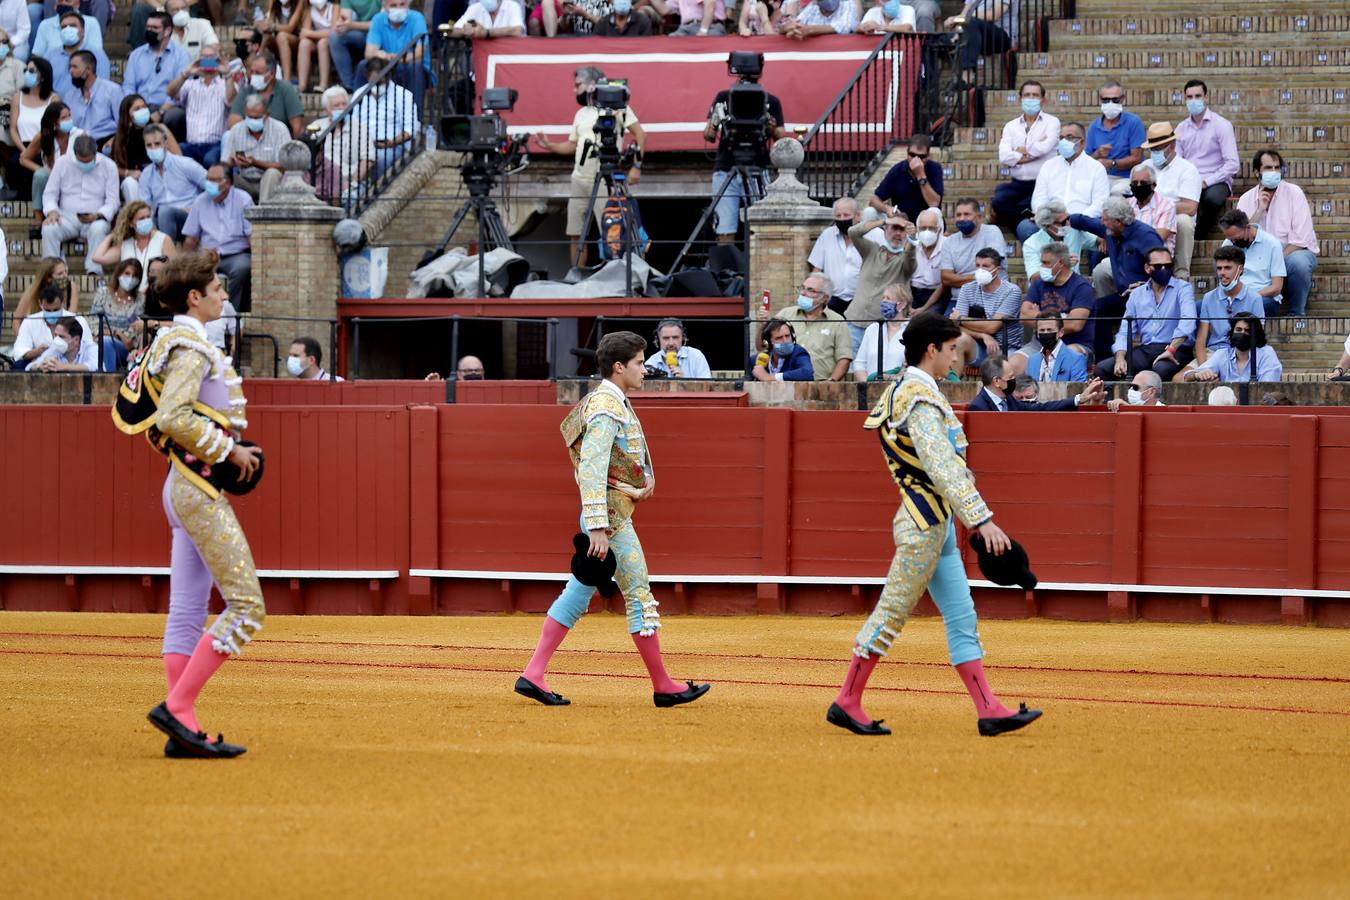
{"points": [[206, 109], [263, 147]]}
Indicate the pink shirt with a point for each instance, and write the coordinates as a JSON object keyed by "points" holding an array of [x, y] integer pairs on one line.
{"points": [[1288, 218], [1158, 212], [692, 11], [1039, 139], [1210, 146]]}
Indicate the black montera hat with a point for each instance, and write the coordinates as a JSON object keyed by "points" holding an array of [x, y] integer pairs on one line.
{"points": [[598, 573], [1008, 568]]}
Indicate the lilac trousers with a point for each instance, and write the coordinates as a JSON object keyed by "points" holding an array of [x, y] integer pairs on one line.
{"points": [[190, 584]]}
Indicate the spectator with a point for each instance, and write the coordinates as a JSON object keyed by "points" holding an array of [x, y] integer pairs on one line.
{"points": [[486, 19], [834, 253], [216, 222], [1247, 345], [697, 17], [1026, 388], [223, 332], [755, 19], [622, 22], [895, 314], [72, 42], [996, 375], [280, 97], [154, 64], [389, 116], [315, 29], [586, 165], [80, 200], [890, 262], [824, 333], [1128, 243], [304, 361], [120, 304], [1058, 289], [204, 96], [926, 285], [1116, 138], [134, 236], [347, 44], [170, 182], [50, 36], [69, 351], [189, 32], [734, 197], [252, 148], [1052, 220], [1206, 139], [100, 10], [348, 153], [1282, 211], [1179, 181], [17, 27], [1162, 313], [582, 16], [991, 29], [1264, 269], [782, 358], [1051, 359], [94, 101], [400, 34], [50, 273], [972, 235], [53, 141], [912, 186], [890, 16], [280, 31], [1222, 395], [1231, 297], [29, 103], [987, 309], [1028, 141], [127, 146], [1338, 372], [11, 84], [675, 357], [469, 368], [825, 17], [34, 335], [1153, 208], [1072, 177], [1145, 390]]}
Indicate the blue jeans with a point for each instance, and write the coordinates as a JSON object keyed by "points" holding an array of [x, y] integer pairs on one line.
{"points": [[348, 52], [1025, 229], [205, 152], [170, 220], [855, 333], [114, 354], [728, 212], [1298, 282], [34, 19]]}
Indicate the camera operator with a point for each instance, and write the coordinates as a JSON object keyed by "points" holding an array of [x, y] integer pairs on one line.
{"points": [[584, 142], [721, 128]]}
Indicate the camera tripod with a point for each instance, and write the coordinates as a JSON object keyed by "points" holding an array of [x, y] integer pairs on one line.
{"points": [[492, 233], [745, 176], [612, 173]]}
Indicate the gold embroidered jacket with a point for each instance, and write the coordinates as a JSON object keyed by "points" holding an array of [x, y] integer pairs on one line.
{"points": [[605, 441]]}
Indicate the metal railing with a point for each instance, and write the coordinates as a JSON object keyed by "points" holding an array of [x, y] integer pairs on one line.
{"points": [[355, 323], [1023, 26]]}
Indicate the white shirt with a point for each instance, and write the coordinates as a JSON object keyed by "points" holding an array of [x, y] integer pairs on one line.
{"points": [[509, 15], [691, 362], [86, 356], [322, 375], [1081, 185], [34, 332], [14, 19], [839, 260], [1178, 180], [877, 16], [893, 355], [1000, 403], [197, 34], [928, 269], [1039, 140], [226, 324]]}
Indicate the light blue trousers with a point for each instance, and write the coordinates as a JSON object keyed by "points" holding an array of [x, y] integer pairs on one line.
{"points": [[630, 575]]}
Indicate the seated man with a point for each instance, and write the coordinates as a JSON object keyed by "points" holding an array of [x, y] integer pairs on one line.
{"points": [[204, 96], [891, 16], [782, 358], [1059, 289], [72, 42], [47, 38], [34, 334], [1050, 360], [94, 102], [81, 198], [347, 42], [1207, 140], [69, 351], [926, 288], [1026, 388], [1230, 297], [676, 358], [170, 183], [1071, 177], [389, 116], [1128, 243], [1161, 312], [304, 360], [188, 31], [833, 252], [825, 334], [697, 17], [1145, 390], [1052, 221], [1115, 139], [1028, 141], [348, 154], [216, 222], [997, 377], [399, 33], [912, 186], [491, 19], [1155, 209], [253, 147], [825, 17], [1263, 268], [987, 310], [154, 64], [281, 98], [972, 235], [1246, 359], [1281, 209], [1178, 180]]}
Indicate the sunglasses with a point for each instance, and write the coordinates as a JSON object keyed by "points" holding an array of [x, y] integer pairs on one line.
{"points": [[1120, 100], [918, 156]]}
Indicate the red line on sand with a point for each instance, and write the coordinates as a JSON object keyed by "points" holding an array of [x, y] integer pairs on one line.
{"points": [[1243, 676], [359, 664]]}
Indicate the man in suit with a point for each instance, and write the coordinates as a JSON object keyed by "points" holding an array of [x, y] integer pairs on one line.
{"points": [[996, 374]]}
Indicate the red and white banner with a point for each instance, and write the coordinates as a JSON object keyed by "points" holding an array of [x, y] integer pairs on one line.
{"points": [[673, 80]]}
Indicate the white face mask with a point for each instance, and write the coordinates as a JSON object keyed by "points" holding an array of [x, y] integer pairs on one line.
{"points": [[295, 365], [59, 345], [928, 237], [181, 19], [1134, 397], [258, 82], [1112, 110], [983, 277], [128, 282]]}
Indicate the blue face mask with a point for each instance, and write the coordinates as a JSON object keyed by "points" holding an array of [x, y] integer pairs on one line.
{"points": [[4, 52], [1047, 274], [1195, 106], [212, 189], [966, 227], [141, 118], [785, 348], [70, 36], [87, 167], [1065, 147], [255, 125], [889, 309], [891, 9], [399, 16], [623, 7], [29, 79], [144, 226], [51, 316], [1270, 180], [1158, 158], [1031, 106], [155, 154], [805, 303], [66, 126]]}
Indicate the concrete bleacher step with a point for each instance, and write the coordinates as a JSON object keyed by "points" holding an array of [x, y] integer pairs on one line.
{"points": [[1321, 64], [1266, 106], [1064, 33], [1186, 9]]}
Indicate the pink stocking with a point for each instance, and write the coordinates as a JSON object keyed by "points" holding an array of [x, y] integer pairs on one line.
{"points": [[203, 664], [174, 664], [987, 706], [549, 639], [850, 695], [649, 648]]}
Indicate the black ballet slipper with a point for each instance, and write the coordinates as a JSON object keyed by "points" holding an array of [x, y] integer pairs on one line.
{"points": [[837, 716], [190, 744], [1020, 719], [688, 695], [527, 688]]}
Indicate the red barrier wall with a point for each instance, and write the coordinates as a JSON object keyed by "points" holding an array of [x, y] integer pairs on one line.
{"points": [[1206, 500]]}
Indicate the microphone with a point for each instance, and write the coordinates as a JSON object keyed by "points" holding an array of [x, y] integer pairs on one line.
{"points": [[762, 360], [672, 359]]}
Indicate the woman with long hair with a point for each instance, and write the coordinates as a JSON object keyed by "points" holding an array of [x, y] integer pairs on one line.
{"points": [[127, 145], [120, 304], [134, 236], [55, 137], [26, 107], [280, 29], [52, 272]]}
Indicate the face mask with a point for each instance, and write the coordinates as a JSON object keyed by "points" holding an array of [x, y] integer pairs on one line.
{"points": [[181, 18], [1195, 107], [784, 348], [1240, 341], [399, 16], [1270, 180], [1242, 244], [70, 36], [928, 237], [966, 227], [257, 82], [1066, 147], [472, 376], [79, 82], [983, 277], [62, 283], [1227, 285], [140, 118], [87, 167], [51, 316], [1031, 106], [489, 5], [4, 52], [805, 303], [1142, 191], [152, 39], [66, 126], [1112, 110], [1161, 275], [583, 97], [209, 63], [212, 189], [1047, 273], [889, 309], [155, 154], [128, 282], [60, 345], [623, 7], [897, 248], [144, 226], [1158, 158], [29, 79], [255, 125], [844, 225], [295, 365], [1048, 341], [891, 9], [1134, 397]]}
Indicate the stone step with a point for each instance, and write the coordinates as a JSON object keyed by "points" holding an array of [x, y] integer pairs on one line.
{"points": [[1182, 9], [1257, 65], [1154, 23], [1294, 141], [1262, 107]]}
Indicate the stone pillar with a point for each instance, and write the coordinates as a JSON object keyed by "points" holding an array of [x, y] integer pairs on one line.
{"points": [[295, 263], [783, 228]]}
